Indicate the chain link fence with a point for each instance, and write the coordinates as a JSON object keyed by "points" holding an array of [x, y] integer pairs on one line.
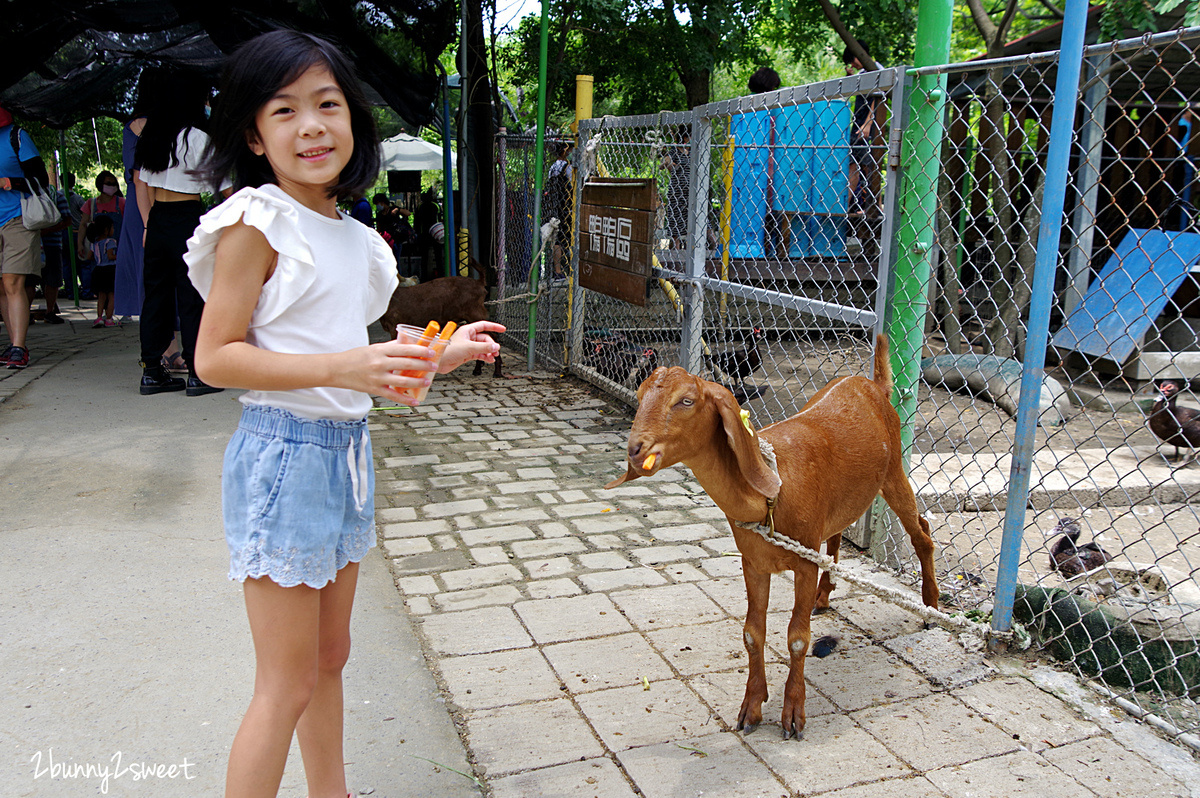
{"points": [[517, 162], [774, 264]]}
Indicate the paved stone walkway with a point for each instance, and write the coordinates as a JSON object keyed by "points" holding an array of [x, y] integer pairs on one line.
{"points": [[589, 641]]}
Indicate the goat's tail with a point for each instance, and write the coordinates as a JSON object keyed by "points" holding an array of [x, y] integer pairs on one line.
{"points": [[883, 365]]}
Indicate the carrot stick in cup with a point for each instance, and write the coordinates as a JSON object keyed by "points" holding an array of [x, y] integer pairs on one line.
{"points": [[446, 333]]}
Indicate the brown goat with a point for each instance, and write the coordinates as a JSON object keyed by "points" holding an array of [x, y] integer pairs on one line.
{"points": [[456, 299], [834, 457]]}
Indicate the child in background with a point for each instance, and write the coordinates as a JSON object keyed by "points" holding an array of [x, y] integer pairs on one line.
{"points": [[290, 286], [104, 269]]}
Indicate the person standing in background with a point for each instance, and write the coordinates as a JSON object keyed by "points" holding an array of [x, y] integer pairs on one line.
{"points": [[55, 241], [863, 129], [20, 248], [127, 287], [104, 250], [109, 202], [169, 152], [361, 210], [427, 215]]}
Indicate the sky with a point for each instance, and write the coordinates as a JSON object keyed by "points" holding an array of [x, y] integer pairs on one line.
{"points": [[509, 11]]}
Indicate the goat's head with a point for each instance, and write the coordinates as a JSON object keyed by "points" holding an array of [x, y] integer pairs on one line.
{"points": [[683, 418]]}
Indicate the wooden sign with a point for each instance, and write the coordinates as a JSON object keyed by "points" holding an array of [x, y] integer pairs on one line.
{"points": [[616, 231]]}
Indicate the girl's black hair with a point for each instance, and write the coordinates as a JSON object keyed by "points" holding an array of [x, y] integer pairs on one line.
{"points": [[96, 229], [152, 85], [849, 55], [254, 73], [104, 177], [179, 106]]}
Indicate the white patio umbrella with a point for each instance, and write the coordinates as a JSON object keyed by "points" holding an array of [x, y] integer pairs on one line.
{"points": [[409, 153]]}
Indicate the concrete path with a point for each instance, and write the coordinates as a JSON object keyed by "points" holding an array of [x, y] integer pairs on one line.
{"points": [[584, 642], [590, 640], [123, 643]]}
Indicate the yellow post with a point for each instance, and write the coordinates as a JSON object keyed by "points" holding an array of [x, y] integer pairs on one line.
{"points": [[726, 221], [583, 100], [583, 110], [463, 250]]}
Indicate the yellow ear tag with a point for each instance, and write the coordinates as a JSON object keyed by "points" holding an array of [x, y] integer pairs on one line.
{"points": [[746, 422]]}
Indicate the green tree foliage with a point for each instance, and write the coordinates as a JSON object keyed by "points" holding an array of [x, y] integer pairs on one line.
{"points": [[652, 55], [643, 56], [1128, 17], [77, 145]]}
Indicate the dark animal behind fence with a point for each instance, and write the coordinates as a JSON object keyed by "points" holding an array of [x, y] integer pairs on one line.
{"points": [[1173, 425], [446, 299], [741, 362], [1070, 558]]}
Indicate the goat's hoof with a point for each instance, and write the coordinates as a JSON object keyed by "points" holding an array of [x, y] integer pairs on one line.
{"points": [[797, 733], [820, 610], [747, 727]]}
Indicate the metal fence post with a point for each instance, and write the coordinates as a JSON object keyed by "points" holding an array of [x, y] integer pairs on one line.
{"points": [[540, 156], [501, 211], [918, 203], [697, 243], [1062, 126]]}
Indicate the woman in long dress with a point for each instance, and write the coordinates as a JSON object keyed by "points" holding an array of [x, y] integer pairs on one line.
{"points": [[129, 288], [129, 247]]}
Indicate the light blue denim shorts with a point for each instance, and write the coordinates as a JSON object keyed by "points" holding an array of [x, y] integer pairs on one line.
{"points": [[297, 496]]}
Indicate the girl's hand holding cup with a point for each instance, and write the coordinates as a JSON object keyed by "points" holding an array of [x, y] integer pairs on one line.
{"points": [[435, 340]]}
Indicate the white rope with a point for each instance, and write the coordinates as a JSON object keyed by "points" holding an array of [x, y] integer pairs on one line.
{"points": [[549, 233], [901, 598], [654, 137], [588, 166]]}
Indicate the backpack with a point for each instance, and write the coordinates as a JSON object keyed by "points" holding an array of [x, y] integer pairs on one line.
{"points": [[556, 195]]}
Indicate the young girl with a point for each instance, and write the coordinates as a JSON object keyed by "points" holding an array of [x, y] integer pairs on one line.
{"points": [[104, 270], [290, 286], [108, 204]]}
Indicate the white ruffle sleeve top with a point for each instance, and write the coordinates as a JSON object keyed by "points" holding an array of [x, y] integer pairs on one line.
{"points": [[333, 278]]}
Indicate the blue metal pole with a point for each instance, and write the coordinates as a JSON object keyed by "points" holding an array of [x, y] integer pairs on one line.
{"points": [[448, 171], [1066, 99]]}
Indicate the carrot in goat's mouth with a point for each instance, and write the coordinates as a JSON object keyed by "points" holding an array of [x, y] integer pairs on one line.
{"points": [[648, 463]]}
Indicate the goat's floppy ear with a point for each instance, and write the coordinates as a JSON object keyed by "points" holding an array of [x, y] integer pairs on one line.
{"points": [[744, 444]]}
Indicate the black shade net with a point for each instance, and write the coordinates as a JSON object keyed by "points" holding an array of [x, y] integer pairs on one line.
{"points": [[74, 59]]}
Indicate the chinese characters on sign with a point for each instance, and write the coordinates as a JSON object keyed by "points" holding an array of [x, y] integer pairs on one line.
{"points": [[615, 233], [610, 235]]}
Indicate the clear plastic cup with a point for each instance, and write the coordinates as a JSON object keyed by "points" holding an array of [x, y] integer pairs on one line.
{"points": [[406, 334]]}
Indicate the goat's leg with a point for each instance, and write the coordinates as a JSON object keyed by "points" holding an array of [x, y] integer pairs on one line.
{"points": [[754, 635], [898, 494], [799, 637], [826, 587]]}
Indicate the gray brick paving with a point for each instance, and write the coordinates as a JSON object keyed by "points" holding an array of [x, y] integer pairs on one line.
{"points": [[589, 641]]}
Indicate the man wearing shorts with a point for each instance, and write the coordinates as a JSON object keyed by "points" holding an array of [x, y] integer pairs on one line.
{"points": [[20, 249]]}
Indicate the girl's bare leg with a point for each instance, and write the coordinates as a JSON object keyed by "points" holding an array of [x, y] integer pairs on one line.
{"points": [[320, 727], [285, 625]]}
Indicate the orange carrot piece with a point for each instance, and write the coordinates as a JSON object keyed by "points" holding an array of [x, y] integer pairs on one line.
{"points": [[648, 463], [431, 330], [446, 333]]}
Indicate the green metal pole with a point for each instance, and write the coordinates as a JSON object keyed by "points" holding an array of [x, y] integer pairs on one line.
{"points": [[920, 147], [539, 157]]}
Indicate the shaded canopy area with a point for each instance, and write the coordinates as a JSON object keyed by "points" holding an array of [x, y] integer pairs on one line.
{"points": [[82, 58]]}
